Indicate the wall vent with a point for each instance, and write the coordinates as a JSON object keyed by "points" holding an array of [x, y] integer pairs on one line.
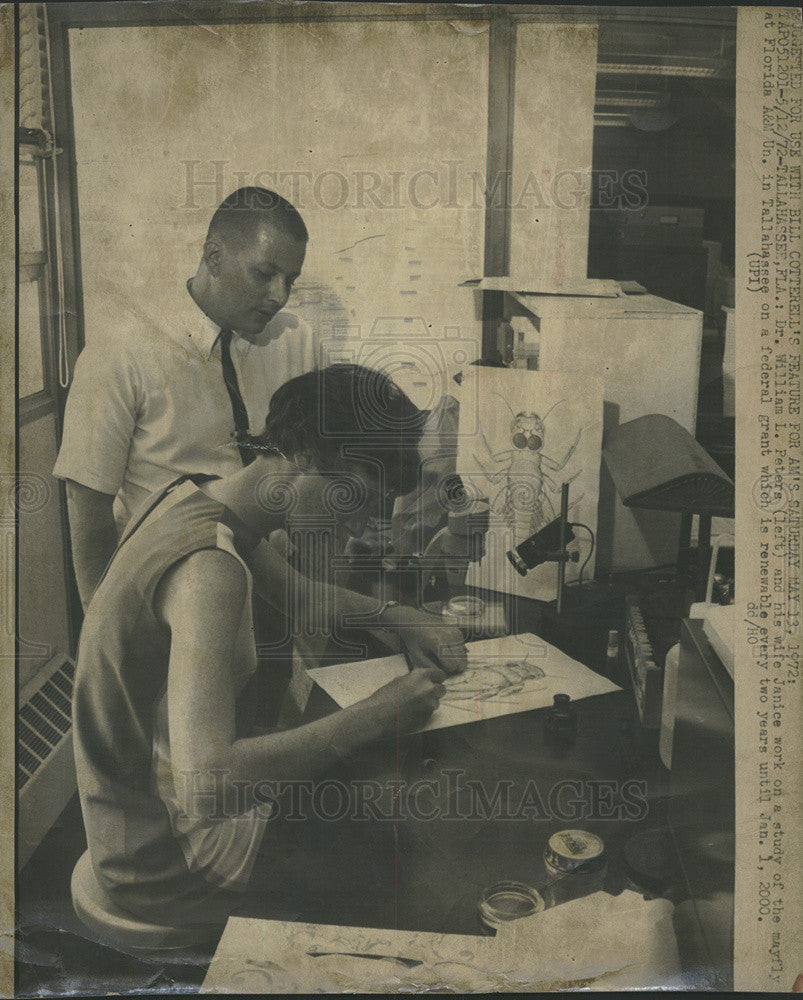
{"points": [[45, 764]]}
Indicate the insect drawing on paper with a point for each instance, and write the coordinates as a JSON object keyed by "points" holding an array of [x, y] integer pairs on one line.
{"points": [[523, 500], [497, 681]]}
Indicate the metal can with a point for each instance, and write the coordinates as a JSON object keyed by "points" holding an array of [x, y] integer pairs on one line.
{"points": [[569, 851], [576, 860]]}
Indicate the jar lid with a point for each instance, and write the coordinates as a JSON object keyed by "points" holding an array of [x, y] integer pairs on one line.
{"points": [[569, 850], [508, 901]]}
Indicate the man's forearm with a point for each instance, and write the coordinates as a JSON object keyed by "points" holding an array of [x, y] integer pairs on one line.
{"points": [[93, 534]]}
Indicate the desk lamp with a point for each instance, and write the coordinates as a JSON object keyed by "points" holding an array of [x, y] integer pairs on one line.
{"points": [[656, 464]]}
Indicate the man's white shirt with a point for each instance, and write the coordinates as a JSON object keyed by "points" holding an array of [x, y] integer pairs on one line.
{"points": [[148, 401]]}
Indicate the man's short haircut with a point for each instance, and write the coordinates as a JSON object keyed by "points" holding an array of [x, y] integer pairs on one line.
{"points": [[348, 412], [248, 204]]}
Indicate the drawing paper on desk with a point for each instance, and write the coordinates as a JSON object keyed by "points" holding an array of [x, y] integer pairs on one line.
{"points": [[521, 434], [616, 942], [273, 956], [516, 673]]}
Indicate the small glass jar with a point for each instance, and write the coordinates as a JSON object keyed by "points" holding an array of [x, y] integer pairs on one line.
{"points": [[463, 610], [506, 901]]}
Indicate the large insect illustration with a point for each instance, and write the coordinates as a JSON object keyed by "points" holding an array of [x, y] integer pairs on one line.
{"points": [[493, 680], [523, 501]]}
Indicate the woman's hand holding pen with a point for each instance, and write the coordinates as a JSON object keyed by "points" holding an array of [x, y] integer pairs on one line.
{"points": [[406, 702]]}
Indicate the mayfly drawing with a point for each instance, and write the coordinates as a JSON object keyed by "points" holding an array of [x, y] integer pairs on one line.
{"points": [[523, 501], [498, 681]]}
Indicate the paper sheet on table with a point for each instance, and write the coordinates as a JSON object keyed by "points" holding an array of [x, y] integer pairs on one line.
{"points": [[272, 956], [602, 942], [515, 673], [539, 285]]}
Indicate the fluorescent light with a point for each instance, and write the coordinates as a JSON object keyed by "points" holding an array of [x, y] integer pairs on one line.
{"points": [[625, 99], [707, 69], [612, 120]]}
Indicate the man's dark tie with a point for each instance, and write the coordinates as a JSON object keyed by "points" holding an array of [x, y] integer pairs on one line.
{"points": [[237, 405]]}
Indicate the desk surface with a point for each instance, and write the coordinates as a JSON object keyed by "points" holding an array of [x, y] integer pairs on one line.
{"points": [[469, 806], [462, 808], [453, 811], [476, 804]]}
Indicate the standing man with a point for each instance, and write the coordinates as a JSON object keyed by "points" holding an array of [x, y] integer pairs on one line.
{"points": [[161, 397]]}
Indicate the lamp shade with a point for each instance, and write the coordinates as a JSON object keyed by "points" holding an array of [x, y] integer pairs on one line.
{"points": [[655, 463]]}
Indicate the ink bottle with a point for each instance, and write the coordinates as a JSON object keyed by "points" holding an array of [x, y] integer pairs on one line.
{"points": [[560, 728]]}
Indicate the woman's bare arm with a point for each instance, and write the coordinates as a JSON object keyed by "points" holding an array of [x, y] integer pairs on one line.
{"points": [[427, 640], [201, 600]]}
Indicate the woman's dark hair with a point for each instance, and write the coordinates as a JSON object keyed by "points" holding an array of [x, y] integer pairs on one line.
{"points": [[347, 411]]}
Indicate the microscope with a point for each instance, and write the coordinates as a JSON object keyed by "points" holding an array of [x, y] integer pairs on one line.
{"points": [[434, 579]]}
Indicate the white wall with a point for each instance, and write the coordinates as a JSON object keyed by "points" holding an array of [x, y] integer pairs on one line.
{"points": [[553, 131], [372, 103]]}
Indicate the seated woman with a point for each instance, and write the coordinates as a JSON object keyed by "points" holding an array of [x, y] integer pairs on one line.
{"points": [[176, 801]]}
